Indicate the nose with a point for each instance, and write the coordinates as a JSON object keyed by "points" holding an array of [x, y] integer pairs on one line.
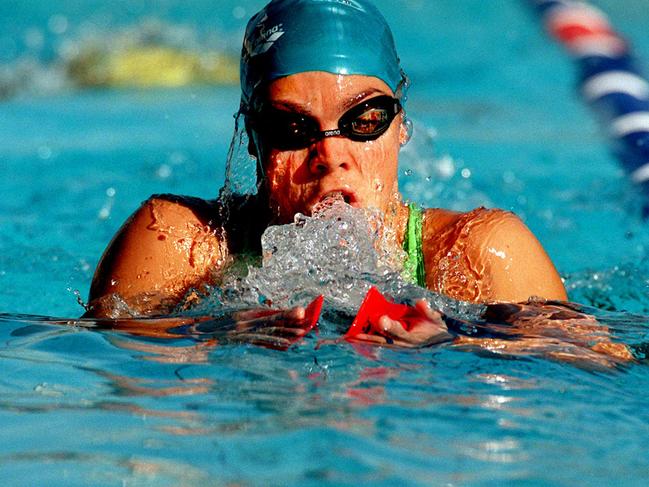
{"points": [[330, 154]]}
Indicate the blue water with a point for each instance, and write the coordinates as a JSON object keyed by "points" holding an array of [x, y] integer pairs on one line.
{"points": [[492, 99]]}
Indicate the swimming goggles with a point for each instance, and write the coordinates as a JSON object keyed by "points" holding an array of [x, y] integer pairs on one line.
{"points": [[285, 130]]}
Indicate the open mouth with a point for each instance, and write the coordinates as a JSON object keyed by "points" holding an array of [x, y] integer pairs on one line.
{"points": [[339, 195]]}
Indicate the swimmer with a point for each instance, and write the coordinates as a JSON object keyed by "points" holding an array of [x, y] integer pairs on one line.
{"points": [[322, 99]]}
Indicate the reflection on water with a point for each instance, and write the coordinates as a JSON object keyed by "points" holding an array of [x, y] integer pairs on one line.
{"points": [[185, 409], [104, 469], [172, 354]]}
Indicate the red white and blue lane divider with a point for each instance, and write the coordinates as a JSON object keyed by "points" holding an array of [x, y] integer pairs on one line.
{"points": [[609, 78]]}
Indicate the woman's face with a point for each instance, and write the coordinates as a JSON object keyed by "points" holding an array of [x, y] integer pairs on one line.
{"points": [[364, 172]]}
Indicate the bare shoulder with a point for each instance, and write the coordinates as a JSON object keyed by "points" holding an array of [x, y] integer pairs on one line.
{"points": [[487, 255], [168, 246]]}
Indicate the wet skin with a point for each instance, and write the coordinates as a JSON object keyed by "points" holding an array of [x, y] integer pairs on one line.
{"points": [[171, 245], [364, 172]]}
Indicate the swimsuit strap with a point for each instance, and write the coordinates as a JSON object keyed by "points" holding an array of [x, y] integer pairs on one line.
{"points": [[414, 266]]}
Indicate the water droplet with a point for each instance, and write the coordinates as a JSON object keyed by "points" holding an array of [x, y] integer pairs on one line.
{"points": [[58, 24], [176, 158], [164, 171], [34, 38], [44, 152], [446, 167]]}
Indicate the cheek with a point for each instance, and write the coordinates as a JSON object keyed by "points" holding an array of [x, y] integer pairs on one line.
{"points": [[381, 162], [282, 180], [277, 174]]}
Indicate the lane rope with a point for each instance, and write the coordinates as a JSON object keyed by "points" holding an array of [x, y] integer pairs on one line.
{"points": [[610, 80]]}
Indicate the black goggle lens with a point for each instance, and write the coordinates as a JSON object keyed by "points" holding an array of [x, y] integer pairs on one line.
{"points": [[286, 130]]}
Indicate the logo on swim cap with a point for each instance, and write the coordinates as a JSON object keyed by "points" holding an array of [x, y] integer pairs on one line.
{"points": [[264, 38], [347, 3]]}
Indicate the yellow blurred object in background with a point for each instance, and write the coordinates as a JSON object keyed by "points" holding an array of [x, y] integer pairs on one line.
{"points": [[152, 66]]}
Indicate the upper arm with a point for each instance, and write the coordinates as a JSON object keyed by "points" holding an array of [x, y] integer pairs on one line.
{"points": [[516, 265], [164, 249]]}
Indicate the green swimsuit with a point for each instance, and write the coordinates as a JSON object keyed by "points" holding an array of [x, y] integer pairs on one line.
{"points": [[414, 265]]}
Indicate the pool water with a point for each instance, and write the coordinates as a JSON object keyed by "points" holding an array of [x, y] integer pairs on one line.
{"points": [[497, 124]]}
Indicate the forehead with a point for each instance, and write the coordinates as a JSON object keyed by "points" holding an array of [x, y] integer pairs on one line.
{"points": [[319, 86]]}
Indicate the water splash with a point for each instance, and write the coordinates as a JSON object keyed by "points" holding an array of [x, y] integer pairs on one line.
{"points": [[339, 252], [436, 180], [619, 288]]}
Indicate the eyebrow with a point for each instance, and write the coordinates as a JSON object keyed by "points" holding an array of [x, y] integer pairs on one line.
{"points": [[346, 105]]}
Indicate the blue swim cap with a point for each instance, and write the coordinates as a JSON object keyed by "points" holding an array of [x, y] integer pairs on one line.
{"points": [[338, 36]]}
